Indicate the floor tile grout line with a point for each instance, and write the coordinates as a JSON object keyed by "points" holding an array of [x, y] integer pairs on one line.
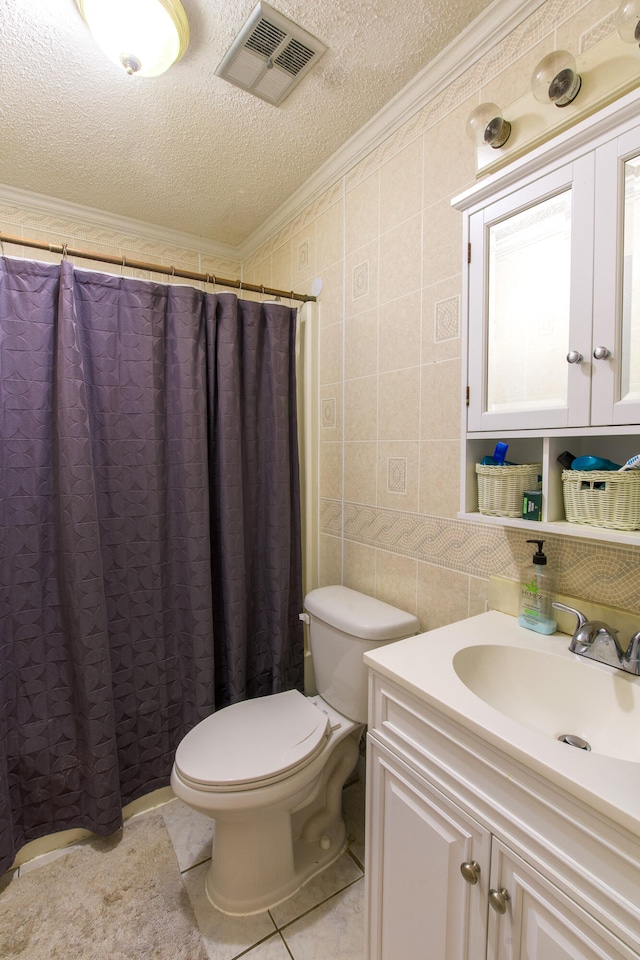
{"points": [[320, 903], [355, 859], [286, 945], [272, 933], [194, 865]]}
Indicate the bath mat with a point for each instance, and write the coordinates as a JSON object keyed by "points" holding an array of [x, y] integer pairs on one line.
{"points": [[119, 898]]}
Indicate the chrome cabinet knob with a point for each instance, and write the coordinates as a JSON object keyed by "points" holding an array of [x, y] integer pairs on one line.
{"points": [[498, 899], [601, 353], [574, 356], [470, 870]]}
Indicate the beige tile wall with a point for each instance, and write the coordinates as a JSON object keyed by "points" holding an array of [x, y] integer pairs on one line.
{"points": [[387, 245]]}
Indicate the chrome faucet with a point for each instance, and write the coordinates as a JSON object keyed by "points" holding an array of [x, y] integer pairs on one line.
{"points": [[597, 641]]}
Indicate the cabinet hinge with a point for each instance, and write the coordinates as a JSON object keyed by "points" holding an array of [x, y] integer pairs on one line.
{"points": [[468, 395], [468, 253]]}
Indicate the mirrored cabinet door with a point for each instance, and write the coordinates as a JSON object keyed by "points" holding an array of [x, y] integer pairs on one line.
{"points": [[616, 340], [530, 304], [614, 356], [630, 319], [528, 309]]}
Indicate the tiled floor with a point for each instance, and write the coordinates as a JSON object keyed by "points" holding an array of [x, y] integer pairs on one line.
{"points": [[323, 920]]}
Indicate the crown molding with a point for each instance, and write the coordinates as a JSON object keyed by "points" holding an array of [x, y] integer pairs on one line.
{"points": [[92, 217], [491, 27]]}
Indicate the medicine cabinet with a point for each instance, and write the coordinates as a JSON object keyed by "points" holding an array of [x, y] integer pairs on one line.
{"points": [[552, 309]]}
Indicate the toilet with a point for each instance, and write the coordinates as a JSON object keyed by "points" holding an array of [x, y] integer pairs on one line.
{"points": [[270, 771]]}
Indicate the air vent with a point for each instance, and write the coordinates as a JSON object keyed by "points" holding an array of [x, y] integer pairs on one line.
{"points": [[270, 55]]}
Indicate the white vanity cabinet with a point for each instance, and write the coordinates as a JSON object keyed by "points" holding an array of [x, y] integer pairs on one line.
{"points": [[552, 307], [472, 856]]}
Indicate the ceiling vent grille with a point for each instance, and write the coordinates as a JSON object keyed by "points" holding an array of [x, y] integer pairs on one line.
{"points": [[270, 56]]}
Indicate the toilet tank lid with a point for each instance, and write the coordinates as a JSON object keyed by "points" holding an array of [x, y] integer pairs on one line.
{"points": [[360, 615]]}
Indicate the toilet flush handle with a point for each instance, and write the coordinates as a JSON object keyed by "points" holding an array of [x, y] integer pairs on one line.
{"points": [[304, 617]]}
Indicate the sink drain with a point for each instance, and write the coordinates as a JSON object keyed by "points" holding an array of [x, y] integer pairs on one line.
{"points": [[574, 741]]}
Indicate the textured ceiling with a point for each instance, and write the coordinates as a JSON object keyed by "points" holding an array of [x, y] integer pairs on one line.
{"points": [[187, 150]]}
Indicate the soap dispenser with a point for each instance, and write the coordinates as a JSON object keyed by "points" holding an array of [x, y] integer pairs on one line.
{"points": [[535, 610]]}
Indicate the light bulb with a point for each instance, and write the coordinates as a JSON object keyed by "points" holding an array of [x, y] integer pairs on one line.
{"points": [[628, 21], [556, 79], [487, 126]]}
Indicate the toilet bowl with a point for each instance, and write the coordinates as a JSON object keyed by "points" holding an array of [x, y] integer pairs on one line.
{"points": [[270, 771]]}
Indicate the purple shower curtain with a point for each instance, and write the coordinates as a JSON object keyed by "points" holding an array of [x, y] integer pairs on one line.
{"points": [[149, 532]]}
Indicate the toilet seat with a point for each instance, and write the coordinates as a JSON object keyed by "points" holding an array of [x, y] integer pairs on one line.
{"points": [[252, 743]]}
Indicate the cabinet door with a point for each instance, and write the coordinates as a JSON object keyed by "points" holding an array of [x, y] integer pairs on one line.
{"points": [[530, 303], [615, 360], [419, 907], [541, 922]]}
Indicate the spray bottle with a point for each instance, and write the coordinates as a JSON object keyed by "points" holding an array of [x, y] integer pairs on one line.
{"points": [[535, 610]]}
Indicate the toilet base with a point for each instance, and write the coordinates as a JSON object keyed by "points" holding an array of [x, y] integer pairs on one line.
{"points": [[309, 859], [259, 862]]}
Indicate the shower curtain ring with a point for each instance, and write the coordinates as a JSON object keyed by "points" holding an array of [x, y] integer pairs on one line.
{"points": [[262, 291], [64, 251], [2, 248], [122, 266]]}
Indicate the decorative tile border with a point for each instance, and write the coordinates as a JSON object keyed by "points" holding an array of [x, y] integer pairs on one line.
{"points": [[331, 517], [597, 571], [103, 240], [599, 31]]}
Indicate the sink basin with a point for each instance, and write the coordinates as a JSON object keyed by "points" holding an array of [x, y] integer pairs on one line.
{"points": [[557, 695]]}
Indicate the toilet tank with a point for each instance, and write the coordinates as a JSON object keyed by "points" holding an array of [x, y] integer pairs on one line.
{"points": [[344, 625]]}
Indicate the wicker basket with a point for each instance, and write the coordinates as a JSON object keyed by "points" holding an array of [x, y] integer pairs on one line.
{"points": [[602, 498], [500, 489]]}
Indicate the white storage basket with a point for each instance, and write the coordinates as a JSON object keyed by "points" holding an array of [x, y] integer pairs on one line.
{"points": [[501, 488], [602, 498]]}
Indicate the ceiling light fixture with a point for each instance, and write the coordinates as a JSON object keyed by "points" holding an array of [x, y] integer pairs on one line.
{"points": [[144, 37], [556, 79]]}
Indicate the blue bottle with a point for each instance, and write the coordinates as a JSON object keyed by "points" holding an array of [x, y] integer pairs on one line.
{"points": [[535, 610]]}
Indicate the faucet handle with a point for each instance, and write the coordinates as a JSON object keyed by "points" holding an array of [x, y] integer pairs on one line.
{"points": [[581, 617], [588, 633]]}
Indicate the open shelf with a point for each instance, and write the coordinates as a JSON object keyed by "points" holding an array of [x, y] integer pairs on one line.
{"points": [[545, 449]]}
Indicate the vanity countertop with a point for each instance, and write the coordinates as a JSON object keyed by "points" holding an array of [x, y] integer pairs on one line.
{"points": [[527, 684]]}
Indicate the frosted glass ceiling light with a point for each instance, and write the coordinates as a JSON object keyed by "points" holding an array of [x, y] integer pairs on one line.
{"points": [[142, 36], [556, 79], [628, 21], [486, 125]]}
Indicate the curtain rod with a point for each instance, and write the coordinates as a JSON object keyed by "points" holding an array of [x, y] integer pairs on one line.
{"points": [[66, 251]]}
